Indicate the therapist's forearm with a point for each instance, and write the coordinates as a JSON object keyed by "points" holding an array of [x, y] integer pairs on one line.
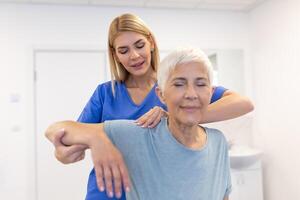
{"points": [[75, 132], [230, 106]]}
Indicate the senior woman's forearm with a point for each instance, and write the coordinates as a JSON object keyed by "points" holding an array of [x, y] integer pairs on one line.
{"points": [[230, 106], [75, 132]]}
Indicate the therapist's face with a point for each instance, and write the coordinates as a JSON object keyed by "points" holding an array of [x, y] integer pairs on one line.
{"points": [[133, 51], [187, 93]]}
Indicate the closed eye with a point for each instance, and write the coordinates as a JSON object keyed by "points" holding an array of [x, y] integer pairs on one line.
{"points": [[201, 84], [123, 50], [178, 84], [140, 45]]}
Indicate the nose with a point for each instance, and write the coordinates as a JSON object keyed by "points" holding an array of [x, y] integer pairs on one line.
{"points": [[190, 92], [134, 54]]}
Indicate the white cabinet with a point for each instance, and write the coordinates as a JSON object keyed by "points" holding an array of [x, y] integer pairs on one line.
{"points": [[247, 183]]}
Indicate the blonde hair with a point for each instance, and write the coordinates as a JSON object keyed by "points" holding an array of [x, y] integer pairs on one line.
{"points": [[123, 23]]}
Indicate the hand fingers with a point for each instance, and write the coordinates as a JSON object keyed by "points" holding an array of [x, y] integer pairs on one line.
{"points": [[99, 177], [117, 181], [80, 157], [69, 150], [124, 176], [156, 120], [108, 181], [140, 121], [151, 119], [57, 138], [70, 154], [150, 116]]}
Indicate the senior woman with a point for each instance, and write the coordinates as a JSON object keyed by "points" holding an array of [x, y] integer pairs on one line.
{"points": [[179, 159]]}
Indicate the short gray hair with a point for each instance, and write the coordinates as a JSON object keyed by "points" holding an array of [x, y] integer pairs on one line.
{"points": [[179, 56]]}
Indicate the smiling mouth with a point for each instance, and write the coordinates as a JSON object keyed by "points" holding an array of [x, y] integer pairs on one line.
{"points": [[138, 64], [190, 108]]}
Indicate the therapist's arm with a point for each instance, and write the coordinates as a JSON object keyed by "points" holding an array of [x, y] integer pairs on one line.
{"points": [[230, 106], [108, 161], [226, 198]]}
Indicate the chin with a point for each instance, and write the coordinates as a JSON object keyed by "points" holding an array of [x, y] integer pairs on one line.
{"points": [[190, 122]]}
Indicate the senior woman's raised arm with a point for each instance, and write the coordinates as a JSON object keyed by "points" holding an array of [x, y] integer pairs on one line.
{"points": [[230, 106], [109, 166]]}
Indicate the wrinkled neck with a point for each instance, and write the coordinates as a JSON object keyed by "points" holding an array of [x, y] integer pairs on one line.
{"points": [[191, 136]]}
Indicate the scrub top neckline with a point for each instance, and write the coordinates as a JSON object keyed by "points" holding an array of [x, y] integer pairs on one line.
{"points": [[144, 100]]}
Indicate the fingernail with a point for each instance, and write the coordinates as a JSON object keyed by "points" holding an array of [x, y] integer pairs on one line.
{"points": [[118, 195], [101, 188], [111, 194], [127, 189]]}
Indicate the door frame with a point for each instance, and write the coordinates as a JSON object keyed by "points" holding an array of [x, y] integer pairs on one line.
{"points": [[32, 141]]}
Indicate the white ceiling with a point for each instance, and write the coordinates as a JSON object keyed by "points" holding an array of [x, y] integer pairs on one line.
{"points": [[238, 5]]}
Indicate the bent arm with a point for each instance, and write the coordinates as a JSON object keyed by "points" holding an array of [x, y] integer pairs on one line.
{"points": [[76, 133], [230, 106], [110, 169]]}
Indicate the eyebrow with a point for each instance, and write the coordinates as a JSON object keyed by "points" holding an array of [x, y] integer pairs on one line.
{"points": [[183, 79], [138, 41]]}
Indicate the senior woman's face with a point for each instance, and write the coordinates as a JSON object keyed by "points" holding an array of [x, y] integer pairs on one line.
{"points": [[187, 93]]}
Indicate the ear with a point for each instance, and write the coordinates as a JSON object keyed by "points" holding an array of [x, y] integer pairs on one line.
{"points": [[160, 95]]}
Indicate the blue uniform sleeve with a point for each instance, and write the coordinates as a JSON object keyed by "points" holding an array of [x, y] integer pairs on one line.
{"points": [[93, 110], [218, 93]]}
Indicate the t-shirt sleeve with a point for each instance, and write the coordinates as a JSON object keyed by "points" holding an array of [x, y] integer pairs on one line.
{"points": [[93, 109], [124, 134], [217, 94]]}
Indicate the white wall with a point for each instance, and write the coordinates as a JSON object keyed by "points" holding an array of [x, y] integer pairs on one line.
{"points": [[22, 27], [275, 31]]}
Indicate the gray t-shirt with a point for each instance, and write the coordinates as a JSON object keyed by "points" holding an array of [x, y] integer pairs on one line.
{"points": [[161, 168]]}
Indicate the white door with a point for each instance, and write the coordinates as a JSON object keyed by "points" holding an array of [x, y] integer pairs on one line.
{"points": [[64, 82]]}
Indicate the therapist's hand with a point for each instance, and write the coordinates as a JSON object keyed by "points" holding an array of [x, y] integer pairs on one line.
{"points": [[110, 169], [152, 117], [67, 154]]}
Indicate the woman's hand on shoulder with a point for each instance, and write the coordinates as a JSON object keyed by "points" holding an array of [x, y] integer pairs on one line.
{"points": [[152, 117], [67, 154]]}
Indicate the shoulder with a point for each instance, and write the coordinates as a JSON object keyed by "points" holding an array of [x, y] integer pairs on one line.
{"points": [[123, 127], [215, 136], [106, 87]]}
